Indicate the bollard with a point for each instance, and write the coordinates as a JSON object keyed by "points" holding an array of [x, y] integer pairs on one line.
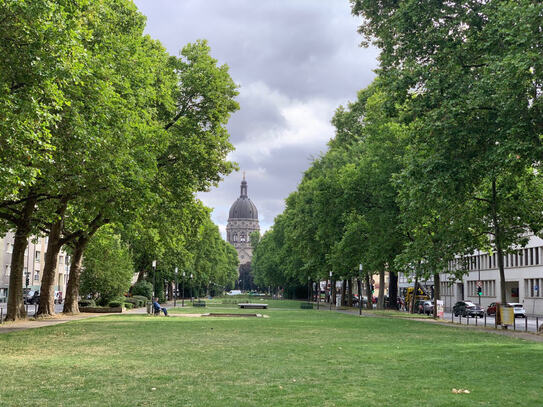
{"points": [[476, 318], [467, 319], [35, 310], [460, 319], [536, 324], [1, 315], [514, 323], [452, 317], [526, 324], [485, 319]]}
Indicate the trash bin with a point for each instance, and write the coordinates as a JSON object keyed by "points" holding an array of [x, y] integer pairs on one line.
{"points": [[149, 307]]}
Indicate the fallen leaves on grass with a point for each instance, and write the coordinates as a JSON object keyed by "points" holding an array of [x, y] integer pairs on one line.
{"points": [[460, 391]]}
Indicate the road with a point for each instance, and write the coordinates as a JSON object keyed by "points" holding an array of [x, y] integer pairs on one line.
{"points": [[31, 309], [520, 323]]}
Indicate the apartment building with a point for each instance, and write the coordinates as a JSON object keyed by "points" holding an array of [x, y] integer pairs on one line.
{"points": [[33, 266]]}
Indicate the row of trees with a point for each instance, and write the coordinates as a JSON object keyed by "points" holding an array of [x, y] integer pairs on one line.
{"points": [[440, 156], [100, 125]]}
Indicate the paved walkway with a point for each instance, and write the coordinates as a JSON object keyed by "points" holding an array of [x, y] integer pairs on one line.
{"points": [[7, 327]]}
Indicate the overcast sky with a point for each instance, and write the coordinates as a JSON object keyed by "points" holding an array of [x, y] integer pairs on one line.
{"points": [[295, 61]]}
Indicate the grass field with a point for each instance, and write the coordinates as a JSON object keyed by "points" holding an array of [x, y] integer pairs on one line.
{"points": [[293, 358]]}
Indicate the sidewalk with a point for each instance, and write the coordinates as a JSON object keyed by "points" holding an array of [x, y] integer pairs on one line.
{"points": [[8, 326]]}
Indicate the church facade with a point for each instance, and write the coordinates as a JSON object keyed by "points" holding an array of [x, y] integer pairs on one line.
{"points": [[242, 221]]}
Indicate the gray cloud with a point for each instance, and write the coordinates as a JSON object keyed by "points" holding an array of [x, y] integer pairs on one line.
{"points": [[295, 61]]}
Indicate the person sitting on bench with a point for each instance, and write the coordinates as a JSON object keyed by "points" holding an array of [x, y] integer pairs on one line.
{"points": [[158, 308]]}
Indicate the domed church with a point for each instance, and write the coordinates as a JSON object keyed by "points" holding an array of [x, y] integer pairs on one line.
{"points": [[242, 221]]}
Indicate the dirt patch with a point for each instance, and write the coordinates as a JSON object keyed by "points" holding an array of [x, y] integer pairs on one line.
{"points": [[212, 314]]}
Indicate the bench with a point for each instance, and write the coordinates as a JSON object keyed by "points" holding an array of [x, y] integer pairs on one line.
{"points": [[253, 306], [199, 304]]}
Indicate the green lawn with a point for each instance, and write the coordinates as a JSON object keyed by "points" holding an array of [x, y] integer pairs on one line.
{"points": [[293, 358]]}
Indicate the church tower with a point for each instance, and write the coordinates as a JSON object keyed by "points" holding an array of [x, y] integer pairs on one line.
{"points": [[242, 221]]}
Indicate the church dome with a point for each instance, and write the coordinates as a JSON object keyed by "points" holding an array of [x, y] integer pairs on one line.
{"points": [[243, 208]]}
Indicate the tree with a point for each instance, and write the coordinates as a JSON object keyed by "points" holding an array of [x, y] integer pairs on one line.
{"points": [[471, 74], [107, 266]]}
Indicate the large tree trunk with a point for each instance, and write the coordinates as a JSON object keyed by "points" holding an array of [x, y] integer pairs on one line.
{"points": [[498, 243], [392, 290], [368, 292], [350, 293], [414, 296], [16, 309], [47, 289], [437, 292], [381, 299], [72, 290], [344, 292]]}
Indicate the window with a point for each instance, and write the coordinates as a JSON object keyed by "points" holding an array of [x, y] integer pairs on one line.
{"points": [[37, 276], [37, 256], [242, 239], [61, 259], [8, 270], [488, 288], [235, 237], [532, 287], [9, 248], [446, 288], [536, 251]]}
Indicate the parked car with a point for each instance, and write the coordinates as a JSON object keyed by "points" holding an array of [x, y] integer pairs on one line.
{"points": [[491, 310], [419, 306], [234, 292], [428, 307], [33, 297], [518, 309], [467, 309]]}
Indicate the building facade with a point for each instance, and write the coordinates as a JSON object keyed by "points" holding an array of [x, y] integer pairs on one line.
{"points": [[33, 265], [242, 221], [523, 278]]}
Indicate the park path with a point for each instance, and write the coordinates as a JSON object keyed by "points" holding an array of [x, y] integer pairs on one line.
{"points": [[7, 327], [60, 318]]}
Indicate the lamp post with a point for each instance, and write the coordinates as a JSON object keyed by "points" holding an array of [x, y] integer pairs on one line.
{"points": [[330, 292], [154, 279], [191, 299], [360, 290], [175, 292], [308, 289], [183, 291]]}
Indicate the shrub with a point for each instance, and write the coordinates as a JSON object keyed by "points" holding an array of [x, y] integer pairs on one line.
{"points": [[115, 303], [86, 303], [136, 302], [142, 289], [128, 305], [143, 300]]}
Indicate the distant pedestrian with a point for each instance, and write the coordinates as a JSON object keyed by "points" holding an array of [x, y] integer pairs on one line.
{"points": [[158, 308]]}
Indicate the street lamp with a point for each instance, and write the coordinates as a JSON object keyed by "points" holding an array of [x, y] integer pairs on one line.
{"points": [[308, 289], [360, 289], [191, 299], [183, 291], [154, 279], [175, 293], [330, 292]]}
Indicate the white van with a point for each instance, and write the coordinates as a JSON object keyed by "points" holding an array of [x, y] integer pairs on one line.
{"points": [[234, 292]]}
